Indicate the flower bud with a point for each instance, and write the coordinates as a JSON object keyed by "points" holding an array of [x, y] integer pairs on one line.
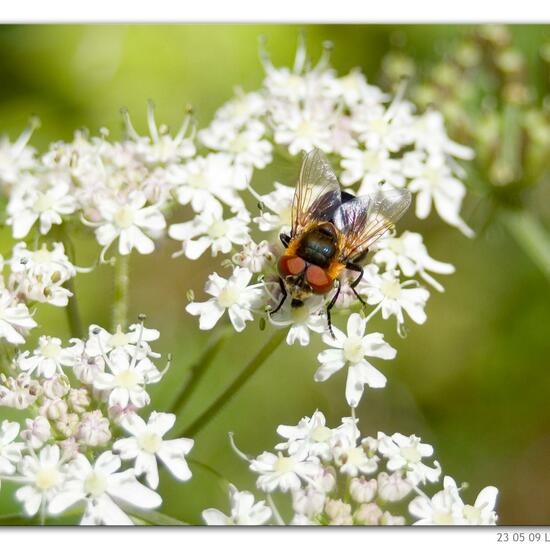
{"points": [[368, 514], [338, 512], [308, 502], [388, 519], [69, 449], [79, 400], [362, 490], [54, 409], [56, 387], [67, 424], [93, 430], [393, 488], [37, 433]]}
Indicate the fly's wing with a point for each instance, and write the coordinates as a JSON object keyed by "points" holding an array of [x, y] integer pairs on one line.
{"points": [[365, 219], [317, 194]]}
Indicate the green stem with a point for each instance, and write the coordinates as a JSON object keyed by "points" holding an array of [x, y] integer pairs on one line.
{"points": [[73, 313], [150, 517], [199, 368], [72, 310], [530, 235], [270, 346], [120, 305]]}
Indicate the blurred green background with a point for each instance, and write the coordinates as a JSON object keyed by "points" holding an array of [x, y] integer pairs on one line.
{"points": [[474, 380]]}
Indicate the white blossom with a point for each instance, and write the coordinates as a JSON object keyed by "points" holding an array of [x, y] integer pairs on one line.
{"points": [[146, 445], [104, 490], [42, 477], [406, 454], [244, 510], [234, 295], [409, 255], [129, 222], [15, 319], [10, 450], [125, 380], [206, 231], [352, 350], [283, 472]]}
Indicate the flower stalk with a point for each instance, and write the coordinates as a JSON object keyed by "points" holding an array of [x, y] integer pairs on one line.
{"points": [[122, 283], [200, 367], [530, 235], [259, 359]]}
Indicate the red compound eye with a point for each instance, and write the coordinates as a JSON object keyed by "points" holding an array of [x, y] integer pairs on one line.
{"points": [[318, 280], [291, 265]]}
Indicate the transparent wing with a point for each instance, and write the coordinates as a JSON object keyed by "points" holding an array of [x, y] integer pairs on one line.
{"points": [[363, 220], [317, 194]]}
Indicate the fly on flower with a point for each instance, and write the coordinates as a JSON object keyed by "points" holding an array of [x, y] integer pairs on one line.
{"points": [[331, 232]]}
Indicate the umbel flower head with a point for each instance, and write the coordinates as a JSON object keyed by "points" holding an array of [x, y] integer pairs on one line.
{"points": [[336, 476], [83, 431]]}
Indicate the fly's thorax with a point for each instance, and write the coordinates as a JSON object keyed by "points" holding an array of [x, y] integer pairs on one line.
{"points": [[319, 244]]}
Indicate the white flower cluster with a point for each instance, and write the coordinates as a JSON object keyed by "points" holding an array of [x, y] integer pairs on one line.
{"points": [[335, 476], [84, 446], [68, 455], [372, 139]]}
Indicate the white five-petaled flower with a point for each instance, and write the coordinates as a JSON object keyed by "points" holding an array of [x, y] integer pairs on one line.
{"points": [[207, 182], [277, 212], [43, 476], [134, 342], [45, 206], [15, 318], [208, 230], [129, 221], [352, 350], [233, 294], [408, 253], [406, 454], [432, 180], [49, 358], [146, 444], [246, 144], [126, 381], [244, 511], [10, 450], [370, 167], [284, 472], [447, 508], [392, 297], [104, 490], [302, 320], [310, 434]]}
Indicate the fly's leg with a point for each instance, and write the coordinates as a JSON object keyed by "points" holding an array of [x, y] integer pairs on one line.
{"points": [[331, 305], [285, 239], [359, 269], [283, 290]]}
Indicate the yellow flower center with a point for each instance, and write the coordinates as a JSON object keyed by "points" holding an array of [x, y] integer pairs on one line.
{"points": [[46, 478], [228, 296], [95, 484], [284, 464], [411, 454], [149, 442], [124, 217], [320, 434], [353, 349], [391, 289], [118, 339], [43, 203], [127, 379], [217, 229], [50, 350], [371, 161]]}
